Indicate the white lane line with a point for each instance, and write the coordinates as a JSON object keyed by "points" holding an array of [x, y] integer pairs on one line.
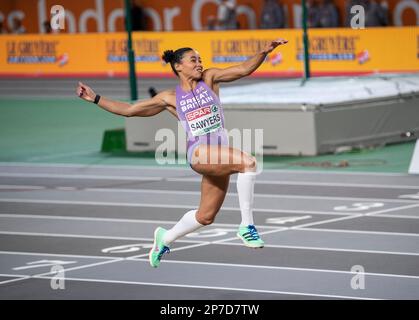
{"points": [[95, 257], [326, 249], [87, 236], [140, 221], [153, 205], [95, 264], [350, 173], [274, 228], [397, 216], [112, 260], [202, 244], [66, 188], [360, 231], [187, 169], [296, 227], [98, 203], [258, 195], [61, 155], [154, 191], [20, 187], [37, 216], [14, 280], [16, 277], [78, 176], [198, 180], [55, 255], [303, 227], [90, 166], [260, 233], [309, 183], [324, 221], [65, 270], [214, 288], [392, 209], [86, 266], [12, 275], [251, 266], [199, 244], [134, 258]]}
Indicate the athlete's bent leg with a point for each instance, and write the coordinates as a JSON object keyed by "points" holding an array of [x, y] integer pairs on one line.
{"points": [[221, 160], [213, 191]]}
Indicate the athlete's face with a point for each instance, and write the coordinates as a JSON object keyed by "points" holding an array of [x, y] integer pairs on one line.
{"points": [[191, 65]]}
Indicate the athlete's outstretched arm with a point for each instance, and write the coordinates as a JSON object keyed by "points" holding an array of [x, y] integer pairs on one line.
{"points": [[244, 69], [144, 108]]}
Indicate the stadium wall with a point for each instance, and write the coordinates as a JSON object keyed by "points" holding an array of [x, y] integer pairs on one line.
{"points": [[171, 15], [332, 51]]}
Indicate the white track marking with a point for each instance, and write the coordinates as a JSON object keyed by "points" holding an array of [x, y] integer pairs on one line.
{"points": [[324, 221], [360, 231], [66, 188], [309, 183], [257, 195], [55, 255], [116, 259], [15, 280], [252, 266], [153, 205], [72, 176], [187, 169], [87, 236], [51, 217], [396, 216], [198, 180], [20, 187], [260, 233], [12, 275], [171, 250], [84, 166], [326, 249], [213, 288], [355, 216], [61, 155], [392, 209]]}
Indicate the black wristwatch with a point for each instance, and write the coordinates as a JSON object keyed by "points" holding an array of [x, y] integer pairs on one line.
{"points": [[97, 98]]}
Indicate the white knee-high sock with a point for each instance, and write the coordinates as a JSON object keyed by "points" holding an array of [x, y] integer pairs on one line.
{"points": [[245, 190], [185, 225]]}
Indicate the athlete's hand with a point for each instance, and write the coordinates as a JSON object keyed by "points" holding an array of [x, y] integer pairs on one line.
{"points": [[271, 46], [85, 92]]}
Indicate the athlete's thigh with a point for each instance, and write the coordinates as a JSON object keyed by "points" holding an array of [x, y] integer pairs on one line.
{"points": [[213, 192], [218, 160]]}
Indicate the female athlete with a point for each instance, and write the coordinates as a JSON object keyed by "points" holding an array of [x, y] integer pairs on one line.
{"points": [[195, 103]]}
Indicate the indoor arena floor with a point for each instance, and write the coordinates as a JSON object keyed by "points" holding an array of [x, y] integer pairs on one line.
{"points": [[328, 235]]}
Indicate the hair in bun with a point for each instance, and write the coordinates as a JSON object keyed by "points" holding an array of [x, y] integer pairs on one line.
{"points": [[173, 57], [168, 56]]}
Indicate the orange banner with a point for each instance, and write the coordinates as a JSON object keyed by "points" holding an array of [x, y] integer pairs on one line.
{"points": [[332, 51], [170, 15]]}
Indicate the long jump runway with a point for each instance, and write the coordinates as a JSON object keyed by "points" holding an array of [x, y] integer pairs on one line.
{"points": [[328, 235]]}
